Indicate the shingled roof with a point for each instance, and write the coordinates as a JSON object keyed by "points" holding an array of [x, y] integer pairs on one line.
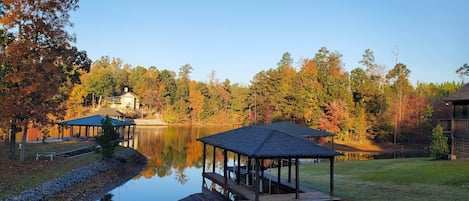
{"points": [[96, 120], [461, 95], [297, 130], [260, 142]]}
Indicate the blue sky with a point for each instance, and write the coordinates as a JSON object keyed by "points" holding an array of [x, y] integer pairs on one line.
{"points": [[239, 38]]}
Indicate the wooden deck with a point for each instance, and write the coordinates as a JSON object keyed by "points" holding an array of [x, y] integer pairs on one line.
{"points": [[249, 194]]}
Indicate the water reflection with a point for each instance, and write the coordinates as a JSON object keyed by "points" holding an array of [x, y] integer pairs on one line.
{"points": [[172, 149], [174, 166]]}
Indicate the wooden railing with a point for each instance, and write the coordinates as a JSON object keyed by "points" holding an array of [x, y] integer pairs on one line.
{"points": [[461, 135], [461, 126]]}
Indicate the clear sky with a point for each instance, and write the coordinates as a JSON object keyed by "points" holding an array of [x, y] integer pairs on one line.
{"points": [[239, 38]]}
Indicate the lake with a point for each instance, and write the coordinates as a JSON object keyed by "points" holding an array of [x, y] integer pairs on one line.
{"points": [[174, 168]]}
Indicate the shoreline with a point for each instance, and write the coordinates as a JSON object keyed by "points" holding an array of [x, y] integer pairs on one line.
{"points": [[89, 182]]}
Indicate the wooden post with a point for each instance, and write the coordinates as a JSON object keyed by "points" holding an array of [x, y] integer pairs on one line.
{"points": [[248, 172], [297, 182], [238, 173], [257, 179], [213, 162], [133, 136], [453, 130], [289, 170], [278, 174], [225, 168], [204, 156], [331, 172]]}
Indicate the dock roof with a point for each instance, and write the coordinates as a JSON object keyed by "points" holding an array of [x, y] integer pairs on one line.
{"points": [[297, 130], [262, 142]]}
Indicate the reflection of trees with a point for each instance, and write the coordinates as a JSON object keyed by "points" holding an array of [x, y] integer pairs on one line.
{"points": [[169, 148], [180, 176]]}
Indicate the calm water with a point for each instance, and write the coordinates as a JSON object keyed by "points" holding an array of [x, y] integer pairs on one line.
{"points": [[174, 167]]}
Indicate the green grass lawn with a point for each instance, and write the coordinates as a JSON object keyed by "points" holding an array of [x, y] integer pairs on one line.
{"points": [[391, 179]]}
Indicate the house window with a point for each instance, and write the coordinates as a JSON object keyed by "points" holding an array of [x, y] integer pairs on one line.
{"points": [[461, 111]]}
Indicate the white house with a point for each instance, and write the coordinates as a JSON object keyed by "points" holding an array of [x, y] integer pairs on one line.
{"points": [[127, 102]]}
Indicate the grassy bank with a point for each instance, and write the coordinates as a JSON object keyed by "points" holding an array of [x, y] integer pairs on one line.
{"points": [[391, 179], [18, 176]]}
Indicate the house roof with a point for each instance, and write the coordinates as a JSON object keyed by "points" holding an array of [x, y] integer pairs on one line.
{"points": [[461, 95], [109, 112], [260, 142], [297, 130], [96, 120]]}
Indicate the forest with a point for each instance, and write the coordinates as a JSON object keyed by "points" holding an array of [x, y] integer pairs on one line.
{"points": [[366, 103]]}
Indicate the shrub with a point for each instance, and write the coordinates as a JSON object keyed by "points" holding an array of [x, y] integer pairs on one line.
{"points": [[109, 139], [439, 147]]}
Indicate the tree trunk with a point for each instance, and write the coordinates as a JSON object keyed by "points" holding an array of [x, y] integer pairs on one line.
{"points": [[23, 143], [12, 142]]}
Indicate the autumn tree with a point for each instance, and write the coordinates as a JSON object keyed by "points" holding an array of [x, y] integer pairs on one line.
{"points": [[400, 89], [309, 92], [39, 65], [181, 101], [196, 101]]}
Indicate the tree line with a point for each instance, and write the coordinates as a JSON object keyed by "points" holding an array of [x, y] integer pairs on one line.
{"points": [[366, 103]]}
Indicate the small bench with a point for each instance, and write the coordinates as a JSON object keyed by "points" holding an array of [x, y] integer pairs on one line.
{"points": [[45, 154]]}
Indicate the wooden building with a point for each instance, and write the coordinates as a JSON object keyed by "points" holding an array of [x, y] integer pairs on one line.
{"points": [[457, 128]]}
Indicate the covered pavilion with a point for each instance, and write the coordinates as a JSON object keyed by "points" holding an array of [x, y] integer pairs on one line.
{"points": [[259, 143], [92, 124]]}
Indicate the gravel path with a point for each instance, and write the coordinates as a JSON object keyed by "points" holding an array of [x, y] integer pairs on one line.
{"points": [[88, 182]]}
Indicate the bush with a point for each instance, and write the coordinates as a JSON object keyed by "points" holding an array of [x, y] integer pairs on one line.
{"points": [[109, 139], [439, 147]]}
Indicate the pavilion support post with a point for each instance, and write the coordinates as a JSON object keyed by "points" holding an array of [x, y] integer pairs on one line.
{"points": [[225, 168], [238, 174], [257, 183], [133, 136], [331, 183], [297, 178], [71, 131], [203, 165], [289, 170], [213, 162], [248, 172], [128, 136], [262, 168], [86, 131], [279, 174], [453, 130]]}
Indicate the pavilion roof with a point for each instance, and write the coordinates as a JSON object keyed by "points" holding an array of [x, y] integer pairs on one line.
{"points": [[261, 142], [461, 95], [297, 130], [95, 120]]}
